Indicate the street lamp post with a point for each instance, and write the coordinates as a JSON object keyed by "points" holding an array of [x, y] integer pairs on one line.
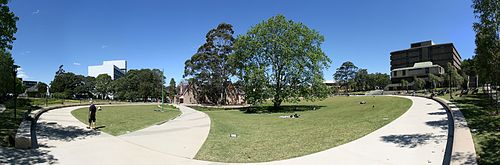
{"points": [[451, 93], [162, 86], [14, 93]]}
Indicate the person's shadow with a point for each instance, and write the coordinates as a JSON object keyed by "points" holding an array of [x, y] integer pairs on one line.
{"points": [[54, 131]]}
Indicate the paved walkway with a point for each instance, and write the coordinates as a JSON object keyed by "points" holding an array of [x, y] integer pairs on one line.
{"points": [[417, 137]]}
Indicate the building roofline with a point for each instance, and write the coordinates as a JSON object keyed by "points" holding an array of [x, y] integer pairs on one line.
{"points": [[426, 46], [415, 66]]}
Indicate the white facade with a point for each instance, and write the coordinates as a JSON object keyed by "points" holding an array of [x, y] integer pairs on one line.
{"points": [[419, 69], [115, 69]]}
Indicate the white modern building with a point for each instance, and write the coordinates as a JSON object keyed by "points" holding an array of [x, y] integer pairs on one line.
{"points": [[115, 69]]}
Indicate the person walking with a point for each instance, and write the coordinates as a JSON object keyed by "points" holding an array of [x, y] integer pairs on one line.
{"points": [[92, 112]]}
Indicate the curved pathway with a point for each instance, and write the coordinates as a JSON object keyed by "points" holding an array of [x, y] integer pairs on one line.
{"points": [[417, 137]]}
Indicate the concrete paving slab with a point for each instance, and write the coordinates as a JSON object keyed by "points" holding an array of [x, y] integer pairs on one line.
{"points": [[417, 137]]}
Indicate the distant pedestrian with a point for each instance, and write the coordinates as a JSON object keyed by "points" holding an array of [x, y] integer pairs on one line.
{"points": [[92, 112]]}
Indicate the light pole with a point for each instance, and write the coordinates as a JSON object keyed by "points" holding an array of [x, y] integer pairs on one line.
{"points": [[14, 93], [46, 96], [162, 86], [451, 95]]}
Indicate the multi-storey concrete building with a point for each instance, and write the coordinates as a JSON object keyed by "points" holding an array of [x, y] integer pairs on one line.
{"points": [[435, 57], [115, 69], [420, 70]]}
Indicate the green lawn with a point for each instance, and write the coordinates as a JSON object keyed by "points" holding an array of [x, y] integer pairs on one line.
{"points": [[484, 124], [52, 101], [122, 119], [265, 136]]}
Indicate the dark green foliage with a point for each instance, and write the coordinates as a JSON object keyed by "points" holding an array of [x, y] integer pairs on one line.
{"points": [[418, 83], [487, 39], [209, 69], [144, 84], [484, 124], [103, 85], [7, 25], [281, 59], [6, 74], [435, 80], [42, 89], [171, 90], [68, 85], [404, 83], [451, 74], [345, 74], [361, 80]]}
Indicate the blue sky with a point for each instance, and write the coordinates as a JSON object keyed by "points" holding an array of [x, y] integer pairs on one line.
{"points": [[164, 34]]}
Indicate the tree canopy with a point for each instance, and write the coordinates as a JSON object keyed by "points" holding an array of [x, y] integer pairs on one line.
{"points": [[171, 90], [487, 38], [345, 74], [7, 68], [103, 85], [140, 84], [209, 68], [418, 83], [7, 25], [281, 59]]}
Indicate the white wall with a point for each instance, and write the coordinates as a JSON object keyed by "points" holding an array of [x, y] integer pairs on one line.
{"points": [[95, 71]]}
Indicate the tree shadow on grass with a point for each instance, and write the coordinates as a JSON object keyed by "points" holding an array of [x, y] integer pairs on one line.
{"points": [[413, 140], [281, 109], [20, 156], [479, 111], [63, 133], [465, 158]]}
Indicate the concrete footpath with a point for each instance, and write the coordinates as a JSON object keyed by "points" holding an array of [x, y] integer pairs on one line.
{"points": [[419, 136]]}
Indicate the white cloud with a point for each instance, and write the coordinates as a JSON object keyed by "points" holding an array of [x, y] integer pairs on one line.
{"points": [[104, 46], [25, 52], [77, 64], [22, 74], [36, 12]]}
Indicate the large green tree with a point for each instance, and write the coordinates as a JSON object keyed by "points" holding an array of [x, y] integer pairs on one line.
{"points": [[69, 85], [281, 59], [487, 39], [143, 84], [378, 80], [435, 80], [103, 85], [418, 83], [7, 25], [209, 67], [42, 89], [7, 74], [361, 79], [452, 77], [7, 68], [171, 90], [345, 74], [404, 84]]}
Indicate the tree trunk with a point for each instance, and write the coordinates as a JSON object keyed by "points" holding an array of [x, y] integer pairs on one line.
{"points": [[277, 103]]}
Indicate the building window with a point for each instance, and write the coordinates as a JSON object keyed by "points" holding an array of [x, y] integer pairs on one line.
{"points": [[395, 73], [404, 72], [426, 70]]}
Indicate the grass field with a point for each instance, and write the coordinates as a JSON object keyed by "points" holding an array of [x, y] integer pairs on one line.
{"points": [[266, 136], [119, 120], [484, 124], [52, 101]]}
